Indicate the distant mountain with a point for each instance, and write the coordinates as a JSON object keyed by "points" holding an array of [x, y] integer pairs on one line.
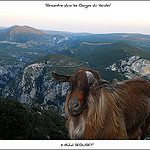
{"points": [[31, 38], [138, 40], [35, 84], [14, 34], [49, 40], [68, 34]]}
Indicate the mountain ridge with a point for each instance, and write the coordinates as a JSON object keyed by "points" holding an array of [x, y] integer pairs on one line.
{"points": [[32, 38]]}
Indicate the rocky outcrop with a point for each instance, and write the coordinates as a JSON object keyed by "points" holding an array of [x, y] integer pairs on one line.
{"points": [[7, 73], [132, 67], [36, 85]]}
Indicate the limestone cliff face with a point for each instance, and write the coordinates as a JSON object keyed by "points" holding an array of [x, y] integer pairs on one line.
{"points": [[36, 85], [132, 67], [7, 73]]}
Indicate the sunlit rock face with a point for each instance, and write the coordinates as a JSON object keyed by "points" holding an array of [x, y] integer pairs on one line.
{"points": [[35, 83], [132, 67]]}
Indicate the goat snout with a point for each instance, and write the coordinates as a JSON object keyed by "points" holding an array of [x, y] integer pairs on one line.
{"points": [[74, 104]]}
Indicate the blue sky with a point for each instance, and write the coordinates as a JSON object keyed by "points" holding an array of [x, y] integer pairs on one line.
{"points": [[121, 16]]}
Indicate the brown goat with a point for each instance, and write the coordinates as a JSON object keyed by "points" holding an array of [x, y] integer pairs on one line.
{"points": [[98, 109]]}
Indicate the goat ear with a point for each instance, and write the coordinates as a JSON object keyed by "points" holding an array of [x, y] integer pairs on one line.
{"points": [[109, 84], [61, 78], [103, 83]]}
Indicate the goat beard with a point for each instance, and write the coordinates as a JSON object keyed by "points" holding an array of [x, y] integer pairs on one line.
{"points": [[76, 127], [92, 116]]}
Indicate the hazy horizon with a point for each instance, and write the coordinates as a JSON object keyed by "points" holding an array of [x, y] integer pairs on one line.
{"points": [[120, 17], [75, 32]]}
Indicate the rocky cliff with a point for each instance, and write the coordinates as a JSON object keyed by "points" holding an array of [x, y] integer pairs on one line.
{"points": [[132, 67], [36, 85]]}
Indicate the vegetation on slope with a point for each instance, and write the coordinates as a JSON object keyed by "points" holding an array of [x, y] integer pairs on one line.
{"points": [[34, 122], [63, 64]]}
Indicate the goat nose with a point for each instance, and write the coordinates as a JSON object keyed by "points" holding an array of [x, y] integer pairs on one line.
{"points": [[73, 104]]}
